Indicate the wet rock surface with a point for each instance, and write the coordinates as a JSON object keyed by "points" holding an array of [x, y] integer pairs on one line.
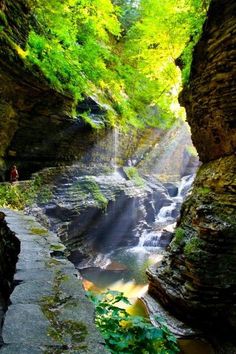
{"points": [[210, 97], [9, 249], [96, 207], [93, 214], [196, 279], [49, 310], [198, 273], [96, 212]]}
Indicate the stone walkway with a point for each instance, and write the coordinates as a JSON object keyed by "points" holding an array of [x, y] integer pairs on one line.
{"points": [[49, 312]]}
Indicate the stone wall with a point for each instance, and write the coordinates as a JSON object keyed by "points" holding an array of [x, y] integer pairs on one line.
{"points": [[197, 278]]}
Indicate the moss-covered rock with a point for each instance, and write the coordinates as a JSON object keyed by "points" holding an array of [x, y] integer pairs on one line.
{"points": [[197, 277]]}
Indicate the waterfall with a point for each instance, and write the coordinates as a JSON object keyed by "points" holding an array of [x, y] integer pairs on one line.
{"points": [[166, 217], [185, 185]]}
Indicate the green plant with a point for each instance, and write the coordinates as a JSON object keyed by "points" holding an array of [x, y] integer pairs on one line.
{"points": [[179, 235], [95, 124], [127, 334], [3, 19], [14, 196], [203, 190], [193, 248], [93, 47], [88, 188], [178, 240], [19, 195], [132, 174]]}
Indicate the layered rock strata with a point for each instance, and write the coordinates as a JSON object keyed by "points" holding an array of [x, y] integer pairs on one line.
{"points": [[36, 125], [197, 278], [9, 249]]}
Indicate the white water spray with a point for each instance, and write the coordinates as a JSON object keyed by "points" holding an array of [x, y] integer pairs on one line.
{"points": [[165, 219]]}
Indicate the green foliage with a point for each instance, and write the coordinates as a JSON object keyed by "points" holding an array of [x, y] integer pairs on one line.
{"points": [[193, 247], [126, 334], [203, 190], [178, 240], [94, 123], [88, 188], [3, 19], [196, 20], [13, 196], [132, 173], [19, 195], [72, 44], [179, 235], [123, 52]]}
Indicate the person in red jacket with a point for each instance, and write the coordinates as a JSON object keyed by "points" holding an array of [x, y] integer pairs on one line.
{"points": [[14, 175]]}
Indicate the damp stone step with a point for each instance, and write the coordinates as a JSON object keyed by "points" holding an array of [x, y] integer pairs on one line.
{"points": [[49, 311]]}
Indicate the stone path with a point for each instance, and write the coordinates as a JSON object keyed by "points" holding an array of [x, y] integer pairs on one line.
{"points": [[49, 312]]}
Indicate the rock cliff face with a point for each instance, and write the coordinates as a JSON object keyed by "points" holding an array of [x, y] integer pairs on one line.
{"points": [[197, 278], [27, 104], [92, 194], [36, 125], [9, 249]]}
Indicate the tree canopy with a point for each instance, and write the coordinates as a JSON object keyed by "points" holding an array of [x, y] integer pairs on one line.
{"points": [[121, 52]]}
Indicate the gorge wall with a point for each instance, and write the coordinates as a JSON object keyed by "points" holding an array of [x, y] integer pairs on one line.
{"points": [[196, 279], [9, 249], [36, 126]]}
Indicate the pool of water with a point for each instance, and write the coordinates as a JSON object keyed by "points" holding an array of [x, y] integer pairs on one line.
{"points": [[125, 270], [124, 264]]}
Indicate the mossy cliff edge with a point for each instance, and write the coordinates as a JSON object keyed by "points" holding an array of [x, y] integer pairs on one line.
{"points": [[38, 127], [32, 113], [196, 279]]}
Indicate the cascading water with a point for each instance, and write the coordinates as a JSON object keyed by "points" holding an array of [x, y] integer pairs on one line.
{"points": [[166, 217], [129, 263]]}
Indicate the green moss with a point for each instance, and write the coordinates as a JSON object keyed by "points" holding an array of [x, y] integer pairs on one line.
{"points": [[8, 48], [132, 174], [204, 190], [95, 124], [70, 334], [178, 239], [18, 196], [52, 263], [6, 109], [38, 231], [179, 234], [193, 248], [88, 188], [57, 247], [3, 19]]}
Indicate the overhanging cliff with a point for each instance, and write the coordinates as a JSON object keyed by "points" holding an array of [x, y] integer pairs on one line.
{"points": [[36, 124]]}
